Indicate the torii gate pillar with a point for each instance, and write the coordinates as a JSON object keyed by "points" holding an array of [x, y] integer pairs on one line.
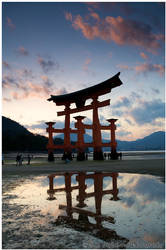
{"points": [[67, 145], [114, 154], [50, 144], [80, 138], [97, 153]]}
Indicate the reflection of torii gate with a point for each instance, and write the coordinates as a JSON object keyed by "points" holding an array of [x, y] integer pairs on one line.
{"points": [[79, 98], [82, 223]]}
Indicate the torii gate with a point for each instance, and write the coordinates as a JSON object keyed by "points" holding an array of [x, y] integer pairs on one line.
{"points": [[79, 98]]}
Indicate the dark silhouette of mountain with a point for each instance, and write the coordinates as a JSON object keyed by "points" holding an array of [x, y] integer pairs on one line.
{"points": [[154, 141], [16, 137]]}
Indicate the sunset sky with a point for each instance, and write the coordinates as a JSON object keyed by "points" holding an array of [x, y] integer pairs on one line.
{"points": [[57, 48]]}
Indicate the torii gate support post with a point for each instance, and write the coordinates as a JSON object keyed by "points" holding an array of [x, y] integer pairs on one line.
{"points": [[67, 146], [114, 185], [97, 153], [80, 138], [50, 145], [82, 187], [114, 154], [50, 191]]}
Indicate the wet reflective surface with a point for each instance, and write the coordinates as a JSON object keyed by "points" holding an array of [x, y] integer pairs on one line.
{"points": [[95, 210]]}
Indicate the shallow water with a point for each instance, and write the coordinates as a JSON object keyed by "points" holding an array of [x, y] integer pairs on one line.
{"points": [[102, 211]]}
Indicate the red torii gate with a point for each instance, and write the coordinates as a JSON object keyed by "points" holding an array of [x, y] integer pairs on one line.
{"points": [[79, 98]]}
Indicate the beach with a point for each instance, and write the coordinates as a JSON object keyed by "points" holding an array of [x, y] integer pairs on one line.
{"points": [[149, 166]]}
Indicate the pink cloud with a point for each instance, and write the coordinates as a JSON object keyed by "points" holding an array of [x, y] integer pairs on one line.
{"points": [[118, 30], [68, 16], [122, 66], [146, 67], [95, 16], [10, 23], [87, 62], [18, 87], [143, 55]]}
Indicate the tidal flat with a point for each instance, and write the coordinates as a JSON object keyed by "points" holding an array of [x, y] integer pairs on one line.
{"points": [[125, 211]]}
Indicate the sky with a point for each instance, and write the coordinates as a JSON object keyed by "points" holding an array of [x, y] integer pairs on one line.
{"points": [[54, 48]]}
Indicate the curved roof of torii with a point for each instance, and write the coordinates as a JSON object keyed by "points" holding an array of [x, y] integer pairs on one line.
{"points": [[79, 97]]}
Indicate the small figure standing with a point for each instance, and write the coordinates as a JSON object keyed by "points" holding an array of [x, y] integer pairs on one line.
{"points": [[29, 160], [86, 156], [18, 159], [21, 160], [120, 156], [2, 160]]}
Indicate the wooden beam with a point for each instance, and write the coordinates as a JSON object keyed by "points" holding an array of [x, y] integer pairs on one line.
{"points": [[88, 213], [58, 130], [88, 126], [88, 107], [105, 127], [63, 189]]}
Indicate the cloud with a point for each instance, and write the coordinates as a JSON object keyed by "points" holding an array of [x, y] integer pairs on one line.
{"points": [[118, 30], [128, 201], [25, 85], [95, 16], [150, 188], [10, 24], [86, 67], [143, 55], [38, 125], [147, 112], [86, 63], [123, 102], [25, 73], [68, 16], [47, 81], [146, 67], [122, 133], [42, 125], [22, 51], [117, 112], [123, 67], [47, 65], [9, 81]]}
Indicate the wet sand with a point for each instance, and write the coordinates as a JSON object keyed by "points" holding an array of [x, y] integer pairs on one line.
{"points": [[153, 166], [26, 228]]}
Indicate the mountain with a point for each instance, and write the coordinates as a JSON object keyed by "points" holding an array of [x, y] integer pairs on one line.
{"points": [[154, 141], [16, 137], [11, 127]]}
